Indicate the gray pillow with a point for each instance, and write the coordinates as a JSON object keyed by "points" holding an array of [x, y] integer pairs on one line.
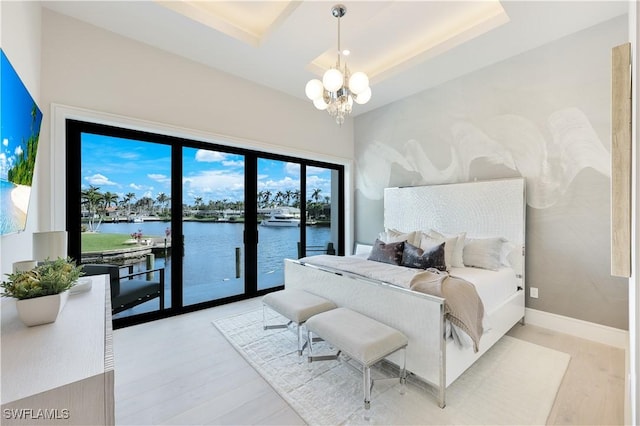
{"points": [[415, 257], [387, 252], [483, 253]]}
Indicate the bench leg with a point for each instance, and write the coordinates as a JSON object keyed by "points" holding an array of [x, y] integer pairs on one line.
{"points": [[403, 373], [368, 384], [271, 327], [301, 345], [311, 357]]}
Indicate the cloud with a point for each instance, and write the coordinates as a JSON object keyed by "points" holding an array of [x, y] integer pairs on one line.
{"points": [[292, 169], [159, 178], [99, 179], [5, 141], [137, 187], [215, 185], [233, 163], [316, 170], [206, 156], [18, 151]]}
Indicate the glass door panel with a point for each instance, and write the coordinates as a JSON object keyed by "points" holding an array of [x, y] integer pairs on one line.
{"points": [[213, 225], [322, 211], [125, 219], [279, 219]]}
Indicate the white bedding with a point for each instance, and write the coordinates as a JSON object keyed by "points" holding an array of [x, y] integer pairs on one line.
{"points": [[493, 287]]}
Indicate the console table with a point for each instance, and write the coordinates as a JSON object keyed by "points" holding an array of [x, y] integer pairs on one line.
{"points": [[60, 373]]}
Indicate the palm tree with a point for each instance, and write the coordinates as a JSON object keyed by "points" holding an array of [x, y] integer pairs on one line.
{"points": [[266, 198], [279, 198], [127, 198], [316, 194], [198, 202], [92, 199], [109, 198], [162, 199], [296, 198], [145, 205]]}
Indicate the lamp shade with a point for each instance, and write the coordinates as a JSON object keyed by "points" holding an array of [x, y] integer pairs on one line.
{"points": [[332, 80], [314, 89], [49, 245], [358, 82], [363, 97], [320, 104]]}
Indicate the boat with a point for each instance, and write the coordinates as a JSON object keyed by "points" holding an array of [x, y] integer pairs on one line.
{"points": [[281, 218], [137, 220]]}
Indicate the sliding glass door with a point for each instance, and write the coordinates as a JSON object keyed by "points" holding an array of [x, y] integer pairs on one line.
{"points": [[124, 221], [213, 223], [323, 208], [279, 220]]}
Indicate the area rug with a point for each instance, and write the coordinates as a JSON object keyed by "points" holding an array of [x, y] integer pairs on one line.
{"points": [[515, 382]]}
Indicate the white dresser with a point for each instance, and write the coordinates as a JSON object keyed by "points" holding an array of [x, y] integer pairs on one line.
{"points": [[60, 373]]}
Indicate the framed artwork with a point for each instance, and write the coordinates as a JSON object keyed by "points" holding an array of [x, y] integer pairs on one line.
{"points": [[20, 120]]}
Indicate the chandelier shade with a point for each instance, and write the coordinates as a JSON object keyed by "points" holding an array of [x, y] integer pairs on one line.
{"points": [[314, 89], [359, 82], [363, 97], [339, 88]]}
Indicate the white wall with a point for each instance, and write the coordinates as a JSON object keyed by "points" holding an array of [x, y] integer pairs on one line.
{"points": [[20, 39], [112, 77]]}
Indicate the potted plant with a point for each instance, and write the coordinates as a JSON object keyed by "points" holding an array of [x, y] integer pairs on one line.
{"points": [[42, 291]]}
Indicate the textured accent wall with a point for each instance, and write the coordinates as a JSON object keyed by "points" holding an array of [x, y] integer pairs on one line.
{"points": [[543, 115]]}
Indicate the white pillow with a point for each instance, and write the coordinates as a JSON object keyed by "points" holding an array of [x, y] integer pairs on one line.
{"points": [[395, 236], [483, 252], [456, 254], [505, 253]]}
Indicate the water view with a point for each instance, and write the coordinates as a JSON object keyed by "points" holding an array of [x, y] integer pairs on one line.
{"points": [[126, 190], [210, 257]]}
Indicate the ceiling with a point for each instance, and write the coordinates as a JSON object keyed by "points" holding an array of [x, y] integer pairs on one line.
{"points": [[404, 46]]}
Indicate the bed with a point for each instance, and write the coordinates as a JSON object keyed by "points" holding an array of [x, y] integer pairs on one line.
{"points": [[475, 212]]}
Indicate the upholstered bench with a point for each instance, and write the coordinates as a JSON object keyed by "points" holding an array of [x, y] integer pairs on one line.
{"points": [[360, 337], [297, 306]]}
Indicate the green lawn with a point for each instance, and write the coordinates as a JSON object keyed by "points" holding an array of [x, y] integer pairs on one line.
{"points": [[100, 242]]}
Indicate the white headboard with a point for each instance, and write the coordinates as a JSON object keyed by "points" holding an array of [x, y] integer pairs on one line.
{"points": [[493, 208]]}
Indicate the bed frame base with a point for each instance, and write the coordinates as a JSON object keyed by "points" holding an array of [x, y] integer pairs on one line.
{"points": [[431, 357]]}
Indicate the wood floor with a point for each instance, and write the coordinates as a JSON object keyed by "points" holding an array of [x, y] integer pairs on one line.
{"points": [[181, 370]]}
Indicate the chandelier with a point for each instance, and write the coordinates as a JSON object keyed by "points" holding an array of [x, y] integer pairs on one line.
{"points": [[339, 88]]}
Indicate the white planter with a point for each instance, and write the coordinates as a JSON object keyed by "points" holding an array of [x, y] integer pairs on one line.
{"points": [[41, 310]]}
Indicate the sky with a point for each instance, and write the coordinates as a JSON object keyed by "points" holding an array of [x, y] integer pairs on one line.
{"points": [[124, 166], [15, 116]]}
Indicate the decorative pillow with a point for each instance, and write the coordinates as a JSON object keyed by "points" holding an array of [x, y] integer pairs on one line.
{"points": [[458, 247], [415, 257], [427, 242], [483, 253], [387, 252], [395, 236], [505, 252]]}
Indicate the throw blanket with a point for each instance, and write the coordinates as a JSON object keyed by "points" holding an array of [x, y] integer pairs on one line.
{"points": [[462, 307]]}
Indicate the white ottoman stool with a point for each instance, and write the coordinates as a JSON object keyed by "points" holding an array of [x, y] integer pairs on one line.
{"points": [[297, 306], [362, 338]]}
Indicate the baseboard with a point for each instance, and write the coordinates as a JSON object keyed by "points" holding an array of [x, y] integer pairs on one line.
{"points": [[583, 329]]}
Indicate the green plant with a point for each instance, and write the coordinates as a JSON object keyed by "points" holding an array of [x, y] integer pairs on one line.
{"points": [[50, 277]]}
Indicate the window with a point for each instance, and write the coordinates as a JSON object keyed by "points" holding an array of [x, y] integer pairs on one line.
{"points": [[217, 221]]}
